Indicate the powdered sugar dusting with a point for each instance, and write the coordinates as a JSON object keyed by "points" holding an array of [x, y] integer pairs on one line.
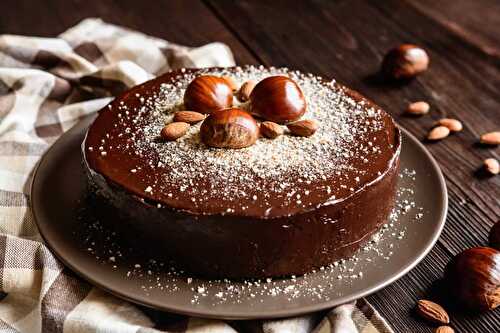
{"points": [[284, 168]]}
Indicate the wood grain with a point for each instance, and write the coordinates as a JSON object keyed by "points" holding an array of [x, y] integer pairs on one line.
{"points": [[346, 40], [473, 21], [187, 22]]}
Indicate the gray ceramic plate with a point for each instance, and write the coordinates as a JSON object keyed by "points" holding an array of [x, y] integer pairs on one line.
{"points": [[59, 206]]}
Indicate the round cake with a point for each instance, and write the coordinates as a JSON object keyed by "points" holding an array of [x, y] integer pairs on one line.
{"points": [[279, 207]]}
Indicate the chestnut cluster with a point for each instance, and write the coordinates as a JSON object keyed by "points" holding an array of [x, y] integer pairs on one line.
{"points": [[276, 99]]}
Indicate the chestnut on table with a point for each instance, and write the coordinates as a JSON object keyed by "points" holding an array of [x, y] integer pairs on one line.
{"points": [[474, 278], [405, 62]]}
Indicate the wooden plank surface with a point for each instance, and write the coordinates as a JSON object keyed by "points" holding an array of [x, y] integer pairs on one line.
{"points": [[346, 40], [187, 22]]}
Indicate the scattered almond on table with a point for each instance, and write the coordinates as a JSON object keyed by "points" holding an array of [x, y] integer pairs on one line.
{"points": [[438, 133], [418, 108], [492, 166], [491, 138], [432, 312], [453, 125]]}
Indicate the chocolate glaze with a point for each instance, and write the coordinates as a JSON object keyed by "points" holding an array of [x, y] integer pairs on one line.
{"points": [[279, 238]]}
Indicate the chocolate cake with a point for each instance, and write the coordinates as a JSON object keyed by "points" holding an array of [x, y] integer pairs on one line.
{"points": [[278, 207]]}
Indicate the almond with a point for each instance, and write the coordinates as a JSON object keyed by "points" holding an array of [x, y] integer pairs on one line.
{"points": [[491, 138], [231, 82], [303, 127], [174, 130], [432, 312], [245, 90], [444, 329], [452, 124], [271, 130], [418, 108], [190, 117], [492, 166], [438, 133]]}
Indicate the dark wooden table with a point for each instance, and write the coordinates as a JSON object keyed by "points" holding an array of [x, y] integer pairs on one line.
{"points": [[346, 40]]}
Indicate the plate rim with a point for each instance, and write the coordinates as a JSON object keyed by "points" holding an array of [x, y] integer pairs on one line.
{"points": [[279, 313]]}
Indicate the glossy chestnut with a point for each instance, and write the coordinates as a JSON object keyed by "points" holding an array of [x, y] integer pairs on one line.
{"points": [[229, 128], [208, 93], [404, 62], [473, 277], [278, 99], [231, 82]]}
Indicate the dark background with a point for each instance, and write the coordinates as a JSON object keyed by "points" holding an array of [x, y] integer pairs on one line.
{"points": [[346, 40]]}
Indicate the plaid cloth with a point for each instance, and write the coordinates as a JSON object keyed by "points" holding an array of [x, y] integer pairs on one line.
{"points": [[46, 85]]}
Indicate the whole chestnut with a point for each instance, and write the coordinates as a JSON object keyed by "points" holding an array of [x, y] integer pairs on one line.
{"points": [[473, 277], [278, 99], [208, 93], [229, 128], [494, 238], [404, 62]]}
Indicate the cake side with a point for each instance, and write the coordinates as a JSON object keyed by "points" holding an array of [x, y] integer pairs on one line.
{"points": [[227, 246]]}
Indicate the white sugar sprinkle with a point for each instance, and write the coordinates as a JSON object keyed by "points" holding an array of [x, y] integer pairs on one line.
{"points": [[230, 175]]}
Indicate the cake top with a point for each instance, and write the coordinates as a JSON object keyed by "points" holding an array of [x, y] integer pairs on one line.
{"points": [[355, 144]]}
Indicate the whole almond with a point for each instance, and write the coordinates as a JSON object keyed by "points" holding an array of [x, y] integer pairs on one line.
{"points": [[492, 166], [438, 133], [190, 117], [231, 82], [245, 90], [173, 131], [305, 127], [491, 138], [444, 329], [453, 125], [432, 312], [418, 108], [271, 130]]}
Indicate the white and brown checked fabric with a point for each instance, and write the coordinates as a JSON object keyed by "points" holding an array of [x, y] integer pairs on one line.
{"points": [[46, 85]]}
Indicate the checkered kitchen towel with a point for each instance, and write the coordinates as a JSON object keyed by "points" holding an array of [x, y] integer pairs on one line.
{"points": [[46, 85]]}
